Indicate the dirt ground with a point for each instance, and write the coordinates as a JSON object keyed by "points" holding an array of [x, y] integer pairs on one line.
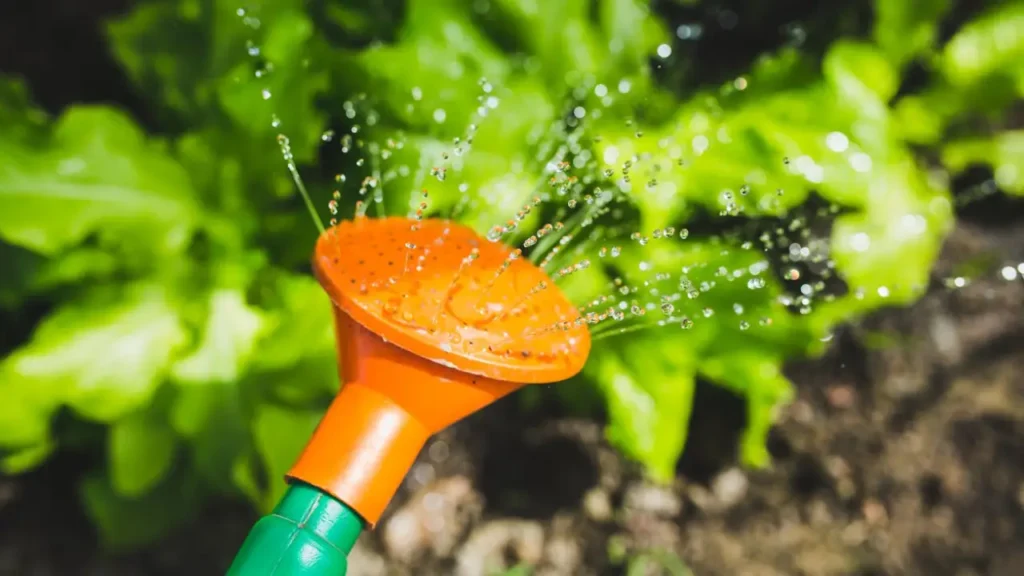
{"points": [[896, 458]]}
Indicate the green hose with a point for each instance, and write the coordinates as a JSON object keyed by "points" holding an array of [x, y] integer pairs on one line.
{"points": [[309, 533]]}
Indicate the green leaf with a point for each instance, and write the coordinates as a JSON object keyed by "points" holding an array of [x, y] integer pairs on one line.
{"points": [[96, 175], [1004, 152], [141, 450], [227, 65], [103, 355], [631, 32], [25, 459], [885, 253], [162, 47], [907, 29], [20, 267], [300, 324], [283, 101], [987, 46], [211, 418], [757, 375], [27, 273], [229, 338], [429, 79], [280, 435], [648, 385], [194, 407], [22, 121], [753, 156], [647, 377], [862, 75], [76, 266]]}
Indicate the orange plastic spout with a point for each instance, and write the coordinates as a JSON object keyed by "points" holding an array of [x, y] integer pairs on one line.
{"points": [[433, 323], [391, 403]]}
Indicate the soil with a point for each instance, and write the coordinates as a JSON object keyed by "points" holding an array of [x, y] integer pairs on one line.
{"points": [[902, 458]]}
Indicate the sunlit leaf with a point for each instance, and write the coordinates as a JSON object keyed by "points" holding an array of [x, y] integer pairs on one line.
{"points": [[907, 28], [1004, 152], [229, 338], [97, 175], [103, 356]]}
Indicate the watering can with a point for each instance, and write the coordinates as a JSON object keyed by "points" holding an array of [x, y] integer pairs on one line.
{"points": [[433, 323]]}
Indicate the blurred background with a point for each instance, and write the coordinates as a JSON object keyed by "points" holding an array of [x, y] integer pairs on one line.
{"points": [[830, 383]]}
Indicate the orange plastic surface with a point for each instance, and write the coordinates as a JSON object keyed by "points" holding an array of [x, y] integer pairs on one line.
{"points": [[392, 401], [417, 284], [427, 334]]}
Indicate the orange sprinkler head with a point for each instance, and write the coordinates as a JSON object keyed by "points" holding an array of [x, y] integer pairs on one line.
{"points": [[433, 322]]}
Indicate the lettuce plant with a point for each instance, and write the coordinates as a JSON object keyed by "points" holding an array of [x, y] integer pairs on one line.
{"points": [[155, 297]]}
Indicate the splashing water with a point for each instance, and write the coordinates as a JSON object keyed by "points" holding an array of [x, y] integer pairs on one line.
{"points": [[576, 225]]}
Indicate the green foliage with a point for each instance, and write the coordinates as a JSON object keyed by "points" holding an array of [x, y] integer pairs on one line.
{"points": [[165, 266], [1004, 151], [136, 332], [93, 173]]}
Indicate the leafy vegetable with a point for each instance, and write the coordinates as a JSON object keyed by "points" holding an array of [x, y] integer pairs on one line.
{"points": [[94, 175], [648, 415], [103, 356], [1004, 152], [905, 30], [168, 273], [141, 453], [228, 341]]}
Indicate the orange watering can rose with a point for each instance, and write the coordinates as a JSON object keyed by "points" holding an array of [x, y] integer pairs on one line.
{"points": [[433, 323]]}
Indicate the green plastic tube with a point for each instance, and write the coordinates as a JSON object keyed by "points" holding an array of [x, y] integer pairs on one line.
{"points": [[309, 533]]}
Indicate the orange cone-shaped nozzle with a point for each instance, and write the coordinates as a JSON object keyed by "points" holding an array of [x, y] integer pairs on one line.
{"points": [[433, 323]]}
